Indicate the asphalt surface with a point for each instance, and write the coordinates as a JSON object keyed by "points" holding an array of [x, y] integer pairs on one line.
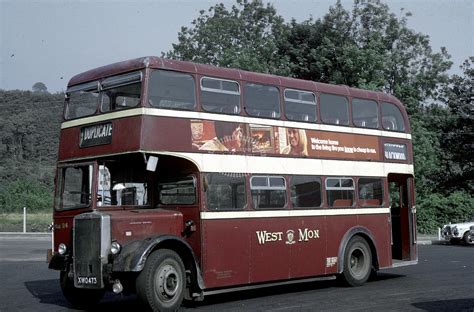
{"points": [[442, 281]]}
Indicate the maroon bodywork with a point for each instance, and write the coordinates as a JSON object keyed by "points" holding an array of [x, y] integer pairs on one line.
{"points": [[228, 251]]}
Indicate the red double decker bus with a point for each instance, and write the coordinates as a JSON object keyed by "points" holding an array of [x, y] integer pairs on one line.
{"points": [[178, 180]]}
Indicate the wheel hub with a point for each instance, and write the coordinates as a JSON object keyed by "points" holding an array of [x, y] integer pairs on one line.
{"points": [[168, 282]]}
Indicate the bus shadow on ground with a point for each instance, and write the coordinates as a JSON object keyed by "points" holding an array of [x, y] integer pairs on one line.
{"points": [[280, 290], [447, 305], [49, 292], [382, 276]]}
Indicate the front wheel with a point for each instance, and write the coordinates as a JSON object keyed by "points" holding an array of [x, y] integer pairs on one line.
{"points": [[78, 297], [162, 281], [468, 239], [357, 262]]}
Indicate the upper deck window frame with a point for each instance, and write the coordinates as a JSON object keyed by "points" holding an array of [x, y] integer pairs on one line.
{"points": [[275, 114], [91, 86], [390, 122], [300, 101], [117, 82], [363, 123], [235, 110], [177, 73], [121, 80], [337, 121]]}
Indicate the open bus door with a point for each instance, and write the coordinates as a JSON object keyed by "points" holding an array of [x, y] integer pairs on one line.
{"points": [[401, 190]]}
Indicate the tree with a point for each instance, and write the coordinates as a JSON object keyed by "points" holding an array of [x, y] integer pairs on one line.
{"points": [[368, 47], [39, 87], [457, 137], [246, 37]]}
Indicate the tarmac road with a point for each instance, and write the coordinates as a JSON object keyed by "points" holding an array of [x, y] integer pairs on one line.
{"points": [[442, 281]]}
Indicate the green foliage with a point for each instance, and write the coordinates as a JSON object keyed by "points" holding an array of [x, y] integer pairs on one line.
{"points": [[435, 210], [456, 122], [368, 47], [245, 37], [29, 127], [39, 87], [35, 222], [26, 193]]}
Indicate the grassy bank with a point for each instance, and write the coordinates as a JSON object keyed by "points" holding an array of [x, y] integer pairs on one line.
{"points": [[35, 222]]}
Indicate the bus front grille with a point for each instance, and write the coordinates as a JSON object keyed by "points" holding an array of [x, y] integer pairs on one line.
{"points": [[91, 243]]}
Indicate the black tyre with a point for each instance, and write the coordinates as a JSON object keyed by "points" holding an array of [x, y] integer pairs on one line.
{"points": [[357, 262], [78, 297], [454, 241], [468, 238], [162, 281]]}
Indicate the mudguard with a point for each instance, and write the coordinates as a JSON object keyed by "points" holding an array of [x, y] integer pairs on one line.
{"points": [[133, 255], [349, 234], [58, 262]]}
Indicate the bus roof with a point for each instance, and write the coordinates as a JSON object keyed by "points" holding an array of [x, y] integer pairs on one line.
{"points": [[226, 73]]}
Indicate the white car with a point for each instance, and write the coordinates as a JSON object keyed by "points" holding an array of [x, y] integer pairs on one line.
{"points": [[459, 231]]}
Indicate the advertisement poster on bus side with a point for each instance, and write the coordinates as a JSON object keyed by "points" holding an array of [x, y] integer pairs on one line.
{"points": [[217, 136]]}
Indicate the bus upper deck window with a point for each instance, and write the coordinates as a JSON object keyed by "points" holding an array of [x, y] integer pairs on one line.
{"points": [[334, 109], [300, 105], [169, 89], [220, 96], [81, 100], [262, 101], [120, 92], [392, 118], [365, 113]]}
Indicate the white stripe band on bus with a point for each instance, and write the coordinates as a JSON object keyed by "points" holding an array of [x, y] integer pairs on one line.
{"points": [[244, 164], [215, 215], [229, 118]]}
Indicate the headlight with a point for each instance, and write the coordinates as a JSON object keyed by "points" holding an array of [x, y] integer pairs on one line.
{"points": [[115, 248], [62, 249], [455, 230]]}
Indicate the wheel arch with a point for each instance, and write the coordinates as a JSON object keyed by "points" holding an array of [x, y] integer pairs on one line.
{"points": [[369, 238], [133, 256]]}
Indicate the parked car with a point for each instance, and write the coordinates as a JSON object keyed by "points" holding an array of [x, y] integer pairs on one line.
{"points": [[458, 232]]}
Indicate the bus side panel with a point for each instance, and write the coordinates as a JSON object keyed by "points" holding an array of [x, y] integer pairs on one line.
{"points": [[241, 251], [379, 227], [337, 227], [225, 253], [270, 258], [308, 250]]}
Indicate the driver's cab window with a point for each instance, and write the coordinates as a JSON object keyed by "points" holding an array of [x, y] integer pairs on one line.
{"points": [[122, 182]]}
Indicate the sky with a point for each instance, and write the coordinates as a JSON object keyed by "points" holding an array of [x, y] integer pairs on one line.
{"points": [[50, 41]]}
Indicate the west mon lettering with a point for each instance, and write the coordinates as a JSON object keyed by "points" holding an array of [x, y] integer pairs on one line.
{"points": [[96, 135], [304, 235]]}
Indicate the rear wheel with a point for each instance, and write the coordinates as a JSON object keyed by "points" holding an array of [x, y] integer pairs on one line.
{"points": [[468, 239], [357, 262], [162, 282], [78, 297]]}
